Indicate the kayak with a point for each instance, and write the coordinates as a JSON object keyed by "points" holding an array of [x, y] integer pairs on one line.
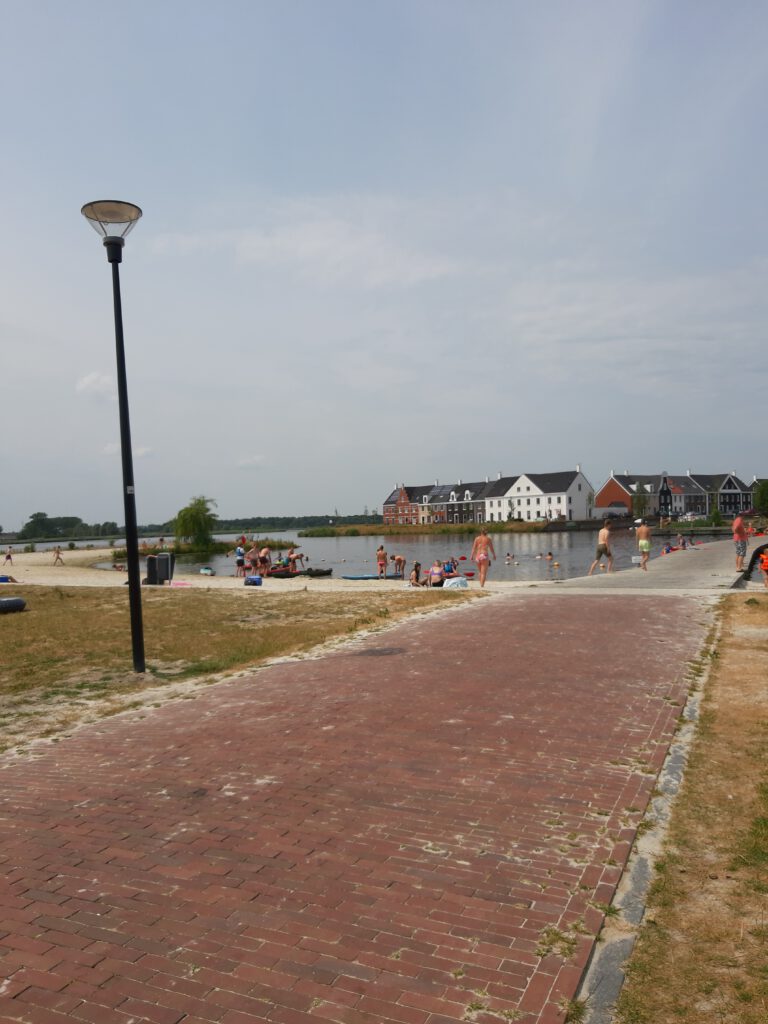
{"points": [[288, 574], [372, 576]]}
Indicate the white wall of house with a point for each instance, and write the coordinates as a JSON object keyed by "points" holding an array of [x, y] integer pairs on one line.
{"points": [[497, 509], [530, 502]]}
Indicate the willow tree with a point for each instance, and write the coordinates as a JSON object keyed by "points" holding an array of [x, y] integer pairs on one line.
{"points": [[195, 522]]}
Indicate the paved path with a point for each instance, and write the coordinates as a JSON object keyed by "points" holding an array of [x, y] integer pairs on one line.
{"points": [[423, 827]]}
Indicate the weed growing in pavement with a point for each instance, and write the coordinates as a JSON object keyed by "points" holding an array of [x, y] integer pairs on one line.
{"points": [[553, 940]]}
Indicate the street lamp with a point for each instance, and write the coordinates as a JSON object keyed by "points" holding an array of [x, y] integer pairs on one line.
{"points": [[113, 220]]}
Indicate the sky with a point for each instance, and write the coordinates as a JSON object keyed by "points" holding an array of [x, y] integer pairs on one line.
{"points": [[383, 241]]}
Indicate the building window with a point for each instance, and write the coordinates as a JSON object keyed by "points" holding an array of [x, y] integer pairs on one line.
{"points": [[549, 501], [528, 502], [579, 486]]}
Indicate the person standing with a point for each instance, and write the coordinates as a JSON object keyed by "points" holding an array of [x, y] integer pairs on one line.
{"points": [[265, 560], [57, 559], [482, 552], [381, 561], [8, 555], [603, 547], [739, 531], [239, 560], [643, 534], [252, 558]]}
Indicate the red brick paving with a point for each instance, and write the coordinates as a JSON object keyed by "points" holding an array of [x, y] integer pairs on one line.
{"points": [[380, 835]]}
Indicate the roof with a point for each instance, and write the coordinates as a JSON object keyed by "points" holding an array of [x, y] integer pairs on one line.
{"points": [[549, 483], [715, 481], [499, 487], [683, 485]]}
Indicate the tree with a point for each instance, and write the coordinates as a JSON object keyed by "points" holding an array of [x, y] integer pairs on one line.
{"points": [[195, 522], [38, 526], [761, 498], [639, 504]]}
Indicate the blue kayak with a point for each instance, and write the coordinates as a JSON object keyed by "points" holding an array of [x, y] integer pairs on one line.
{"points": [[372, 576]]}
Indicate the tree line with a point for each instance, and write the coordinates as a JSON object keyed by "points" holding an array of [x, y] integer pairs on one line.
{"points": [[195, 520]]}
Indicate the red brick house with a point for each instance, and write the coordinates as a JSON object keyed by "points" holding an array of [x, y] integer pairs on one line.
{"points": [[402, 507]]}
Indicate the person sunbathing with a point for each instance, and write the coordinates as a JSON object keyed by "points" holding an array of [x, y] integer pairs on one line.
{"points": [[436, 574]]}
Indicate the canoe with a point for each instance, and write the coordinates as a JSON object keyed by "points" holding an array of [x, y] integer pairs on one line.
{"points": [[12, 604], [288, 574]]}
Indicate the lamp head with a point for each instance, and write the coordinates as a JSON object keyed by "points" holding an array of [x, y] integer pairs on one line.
{"points": [[111, 218]]}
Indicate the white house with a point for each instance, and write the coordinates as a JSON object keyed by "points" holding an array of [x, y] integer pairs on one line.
{"points": [[552, 495], [499, 503]]}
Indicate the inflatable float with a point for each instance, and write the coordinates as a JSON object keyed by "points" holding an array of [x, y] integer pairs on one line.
{"points": [[12, 604]]}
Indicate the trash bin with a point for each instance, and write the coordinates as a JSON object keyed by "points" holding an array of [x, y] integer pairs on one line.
{"points": [[151, 579], [166, 561]]}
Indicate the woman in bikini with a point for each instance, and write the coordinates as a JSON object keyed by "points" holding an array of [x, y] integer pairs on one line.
{"points": [[381, 561], [436, 574], [482, 552]]}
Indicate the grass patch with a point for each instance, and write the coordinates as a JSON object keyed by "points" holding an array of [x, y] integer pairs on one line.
{"points": [[73, 645], [703, 949]]}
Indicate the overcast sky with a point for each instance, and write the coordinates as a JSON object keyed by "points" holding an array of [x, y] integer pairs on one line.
{"points": [[383, 241]]}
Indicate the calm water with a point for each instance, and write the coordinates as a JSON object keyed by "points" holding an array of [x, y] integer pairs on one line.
{"points": [[518, 556], [573, 551]]}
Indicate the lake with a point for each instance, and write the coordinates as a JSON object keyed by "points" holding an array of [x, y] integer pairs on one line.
{"points": [[519, 556]]}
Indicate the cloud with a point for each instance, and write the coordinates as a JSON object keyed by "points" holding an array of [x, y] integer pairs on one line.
{"points": [[367, 242], [98, 384], [251, 460]]}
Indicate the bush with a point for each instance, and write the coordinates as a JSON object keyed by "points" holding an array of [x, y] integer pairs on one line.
{"points": [[28, 549]]}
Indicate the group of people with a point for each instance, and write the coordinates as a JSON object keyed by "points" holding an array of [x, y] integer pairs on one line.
{"points": [[482, 554], [57, 559], [604, 550], [383, 560], [437, 574], [259, 562]]}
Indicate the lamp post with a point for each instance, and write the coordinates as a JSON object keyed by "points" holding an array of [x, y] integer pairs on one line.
{"points": [[113, 220]]}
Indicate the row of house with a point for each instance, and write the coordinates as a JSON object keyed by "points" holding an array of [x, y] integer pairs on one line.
{"points": [[566, 496], [531, 496], [666, 495]]}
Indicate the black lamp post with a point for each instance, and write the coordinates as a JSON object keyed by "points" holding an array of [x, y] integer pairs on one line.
{"points": [[113, 220]]}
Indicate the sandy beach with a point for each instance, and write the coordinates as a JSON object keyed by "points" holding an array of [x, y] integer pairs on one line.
{"points": [[709, 566], [37, 569]]}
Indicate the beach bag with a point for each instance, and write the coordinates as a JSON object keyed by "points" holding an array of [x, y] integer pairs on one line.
{"points": [[456, 583], [252, 581]]}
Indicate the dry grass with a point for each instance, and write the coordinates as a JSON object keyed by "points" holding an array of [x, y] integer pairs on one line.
{"points": [[703, 950], [67, 659]]}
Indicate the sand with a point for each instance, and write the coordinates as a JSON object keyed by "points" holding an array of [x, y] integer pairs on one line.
{"points": [[37, 569]]}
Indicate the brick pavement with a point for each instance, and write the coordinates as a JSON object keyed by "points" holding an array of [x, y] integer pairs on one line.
{"points": [[420, 828]]}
